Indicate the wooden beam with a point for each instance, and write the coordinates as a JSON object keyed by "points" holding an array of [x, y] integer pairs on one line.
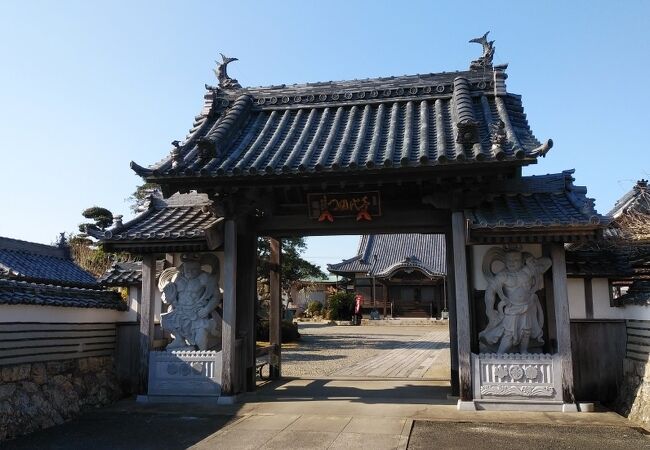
{"points": [[463, 319], [228, 374], [563, 324], [275, 320], [412, 220], [450, 291], [147, 311], [589, 298], [246, 299]]}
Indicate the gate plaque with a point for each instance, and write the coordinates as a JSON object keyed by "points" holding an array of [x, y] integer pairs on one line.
{"points": [[330, 206]]}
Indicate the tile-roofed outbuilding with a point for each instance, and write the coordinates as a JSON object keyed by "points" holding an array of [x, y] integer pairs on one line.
{"points": [[182, 221], [39, 262], [548, 202], [417, 121], [395, 252], [15, 292], [37, 274], [127, 273]]}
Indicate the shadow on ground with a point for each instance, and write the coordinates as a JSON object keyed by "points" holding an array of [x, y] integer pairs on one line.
{"points": [[355, 391], [128, 426]]}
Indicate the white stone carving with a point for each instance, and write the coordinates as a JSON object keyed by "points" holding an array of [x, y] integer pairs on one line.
{"points": [[523, 391], [192, 295], [511, 304], [185, 373], [516, 376]]}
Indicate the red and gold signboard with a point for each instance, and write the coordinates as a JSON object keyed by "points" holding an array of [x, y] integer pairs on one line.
{"points": [[330, 206]]}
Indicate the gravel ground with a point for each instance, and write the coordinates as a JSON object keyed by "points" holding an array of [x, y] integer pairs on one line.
{"points": [[525, 436], [325, 349]]}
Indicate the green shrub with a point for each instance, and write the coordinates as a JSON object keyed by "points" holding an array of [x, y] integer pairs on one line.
{"points": [[340, 305], [314, 308], [289, 331]]}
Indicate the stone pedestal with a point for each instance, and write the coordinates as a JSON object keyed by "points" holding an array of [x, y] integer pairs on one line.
{"points": [[517, 382], [182, 373]]}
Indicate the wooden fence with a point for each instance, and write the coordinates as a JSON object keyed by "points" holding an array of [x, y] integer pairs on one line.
{"points": [[638, 340], [598, 348], [26, 342]]}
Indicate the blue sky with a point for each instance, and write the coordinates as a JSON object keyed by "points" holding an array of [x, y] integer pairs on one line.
{"points": [[85, 87]]}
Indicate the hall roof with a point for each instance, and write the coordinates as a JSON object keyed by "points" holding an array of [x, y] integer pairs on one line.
{"points": [[180, 222], [416, 121], [395, 252], [37, 274]]}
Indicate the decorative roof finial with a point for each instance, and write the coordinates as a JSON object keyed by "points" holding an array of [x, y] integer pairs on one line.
{"points": [[225, 82], [488, 53]]}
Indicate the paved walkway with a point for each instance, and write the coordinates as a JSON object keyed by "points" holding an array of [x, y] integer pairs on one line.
{"points": [[332, 414]]}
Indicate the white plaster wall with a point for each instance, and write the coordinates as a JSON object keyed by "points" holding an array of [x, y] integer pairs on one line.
{"points": [[576, 293], [479, 251], [55, 314], [600, 293], [635, 312]]}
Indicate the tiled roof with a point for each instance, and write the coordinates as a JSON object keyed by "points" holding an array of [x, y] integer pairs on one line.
{"points": [[13, 292], [180, 217], [406, 121], [126, 273], [598, 262], [38, 262], [638, 294], [637, 200], [537, 201], [425, 252]]}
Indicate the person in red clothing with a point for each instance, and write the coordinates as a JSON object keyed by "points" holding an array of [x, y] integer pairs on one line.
{"points": [[358, 301]]}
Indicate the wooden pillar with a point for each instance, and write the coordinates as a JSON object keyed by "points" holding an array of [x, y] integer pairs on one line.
{"points": [[450, 292], [563, 323], [275, 320], [229, 308], [246, 298], [463, 319], [146, 313]]}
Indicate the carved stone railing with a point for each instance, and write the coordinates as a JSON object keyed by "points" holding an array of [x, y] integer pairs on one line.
{"points": [[185, 373], [511, 376]]}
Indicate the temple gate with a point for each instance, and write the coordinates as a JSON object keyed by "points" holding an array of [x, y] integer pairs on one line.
{"points": [[434, 153]]}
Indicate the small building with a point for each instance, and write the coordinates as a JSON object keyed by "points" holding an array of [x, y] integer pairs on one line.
{"points": [[408, 271], [310, 290]]}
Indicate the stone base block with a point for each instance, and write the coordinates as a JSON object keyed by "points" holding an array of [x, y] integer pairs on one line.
{"points": [[465, 406], [182, 373]]}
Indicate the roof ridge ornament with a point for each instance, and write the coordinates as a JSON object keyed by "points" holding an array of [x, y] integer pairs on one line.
{"points": [[488, 53], [225, 82]]}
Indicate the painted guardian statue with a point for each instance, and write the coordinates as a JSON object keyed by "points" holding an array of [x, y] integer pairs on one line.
{"points": [[193, 296], [515, 315]]}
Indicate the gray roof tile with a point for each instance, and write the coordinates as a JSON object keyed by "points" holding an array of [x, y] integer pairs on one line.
{"points": [[417, 121], [126, 273], [180, 217], [13, 292], [425, 252], [537, 201], [28, 260]]}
